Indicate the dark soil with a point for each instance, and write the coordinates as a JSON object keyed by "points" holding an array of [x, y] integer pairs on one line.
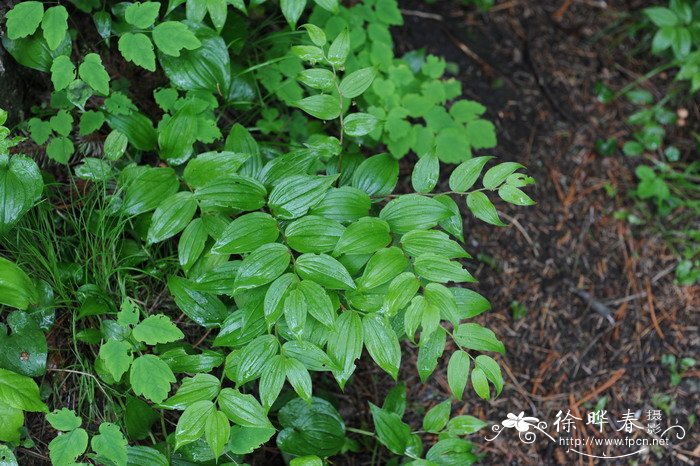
{"points": [[534, 65]]}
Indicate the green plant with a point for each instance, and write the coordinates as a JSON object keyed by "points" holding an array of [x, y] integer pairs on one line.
{"points": [[670, 178], [678, 31], [285, 248], [676, 368]]}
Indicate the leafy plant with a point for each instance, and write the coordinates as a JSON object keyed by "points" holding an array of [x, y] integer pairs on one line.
{"points": [[669, 181], [285, 248]]}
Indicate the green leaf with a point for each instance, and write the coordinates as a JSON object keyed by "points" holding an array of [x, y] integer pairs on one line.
{"points": [[116, 356], [245, 440], [401, 290], [465, 425], [310, 460], [247, 233], [661, 16], [357, 82], [365, 236], [299, 378], [157, 329], [137, 128], [233, 192], [377, 175], [440, 269], [91, 121], [413, 212], [295, 309], [172, 216], [192, 243], [324, 270], [328, 5], [419, 242], [205, 68], [480, 383], [482, 208], [513, 195], [442, 299], [308, 53], [425, 173], [309, 354], [382, 343], [359, 124], [431, 348], [481, 134], [64, 420], [491, 370], [65, 449], [313, 233], [55, 25], [395, 400], [142, 15], [16, 288], [60, 149], [465, 175], [298, 194], [62, 123], [93, 72], [458, 373], [495, 176], [140, 455], [201, 387], [391, 431], [339, 49], [218, 11], [21, 185], [192, 423], [217, 432], [62, 72], [20, 392], [453, 452], [345, 345], [321, 106], [172, 36], [150, 377], [33, 52], [147, 188], [203, 308], [316, 34], [212, 165], [24, 19], [319, 303], [242, 409], [272, 380], [345, 204], [292, 10], [110, 445], [317, 78], [383, 266], [313, 428], [93, 169], [436, 418], [138, 49], [262, 266], [10, 431], [254, 357]]}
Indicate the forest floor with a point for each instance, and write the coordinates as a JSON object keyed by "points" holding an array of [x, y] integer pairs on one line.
{"points": [[534, 65]]}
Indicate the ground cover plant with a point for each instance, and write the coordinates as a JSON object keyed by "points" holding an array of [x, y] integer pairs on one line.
{"points": [[189, 254], [668, 181]]}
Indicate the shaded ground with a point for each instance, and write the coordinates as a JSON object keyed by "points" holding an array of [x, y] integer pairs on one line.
{"points": [[534, 65]]}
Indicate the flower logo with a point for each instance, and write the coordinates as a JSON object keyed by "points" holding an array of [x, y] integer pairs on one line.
{"points": [[521, 422]]}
